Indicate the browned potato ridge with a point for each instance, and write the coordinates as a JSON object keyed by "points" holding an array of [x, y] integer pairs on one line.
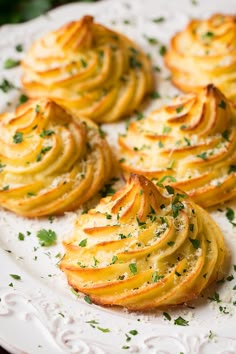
{"points": [[190, 144], [88, 69], [144, 247], [50, 163]]}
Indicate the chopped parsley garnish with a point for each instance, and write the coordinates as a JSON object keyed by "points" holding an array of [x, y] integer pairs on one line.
{"points": [[88, 300], [170, 243], [167, 316], [230, 215], [187, 141], [194, 242], [15, 276], [6, 85], [156, 277], [95, 261], [232, 168], [46, 237], [37, 108], [151, 40], [134, 63], [222, 104], [107, 190], [108, 216], [5, 188], [160, 144], [104, 330], [179, 109], [158, 19], [23, 98], [19, 48], [166, 130], [134, 332], [171, 178], [133, 268], [155, 95], [122, 160], [225, 135], [43, 152], [203, 155], [21, 236], [30, 194], [208, 35], [140, 115], [114, 260], [180, 321], [83, 243], [170, 189], [141, 224], [191, 227], [230, 277], [11, 63], [46, 133], [215, 297], [18, 138], [162, 50], [83, 63], [176, 207]]}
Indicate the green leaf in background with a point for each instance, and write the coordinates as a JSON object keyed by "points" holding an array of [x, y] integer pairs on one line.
{"points": [[24, 10]]}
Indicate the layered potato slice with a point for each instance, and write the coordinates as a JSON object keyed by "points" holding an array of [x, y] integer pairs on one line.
{"points": [[88, 69], [205, 52], [144, 247], [49, 163], [190, 144]]}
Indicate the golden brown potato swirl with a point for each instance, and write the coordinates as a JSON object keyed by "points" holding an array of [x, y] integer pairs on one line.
{"points": [[205, 52], [144, 247], [49, 162], [192, 141], [88, 69]]}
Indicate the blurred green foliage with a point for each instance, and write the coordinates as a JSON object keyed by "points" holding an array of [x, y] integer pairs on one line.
{"points": [[14, 11]]}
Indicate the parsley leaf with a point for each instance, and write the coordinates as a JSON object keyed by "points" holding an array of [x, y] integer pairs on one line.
{"points": [[11, 63], [18, 138], [180, 321], [46, 237], [133, 268]]}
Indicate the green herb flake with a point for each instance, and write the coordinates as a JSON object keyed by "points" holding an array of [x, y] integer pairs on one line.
{"points": [[188, 142], [170, 243], [194, 242], [6, 86], [114, 260], [5, 188], [83, 243], [191, 227], [21, 236], [156, 277], [215, 297], [15, 276], [170, 189], [83, 63], [158, 19], [18, 138], [46, 133], [88, 300], [154, 95], [167, 316], [229, 214], [104, 330], [225, 135], [180, 321], [133, 268], [162, 50], [203, 155], [23, 98], [46, 237], [179, 109], [134, 332], [37, 108], [19, 48], [11, 63], [222, 104], [208, 35]]}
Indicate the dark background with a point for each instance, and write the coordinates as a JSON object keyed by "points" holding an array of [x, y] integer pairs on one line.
{"points": [[17, 11]]}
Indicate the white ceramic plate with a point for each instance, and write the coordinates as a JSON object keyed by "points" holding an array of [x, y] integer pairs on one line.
{"points": [[39, 313]]}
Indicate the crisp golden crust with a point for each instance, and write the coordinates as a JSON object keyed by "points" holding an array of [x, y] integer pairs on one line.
{"points": [[49, 162], [205, 52], [145, 247], [88, 69], [193, 141]]}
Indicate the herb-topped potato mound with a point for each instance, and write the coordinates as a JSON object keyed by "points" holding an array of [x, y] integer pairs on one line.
{"points": [[190, 144], [144, 247], [88, 69], [205, 52], [50, 163]]}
